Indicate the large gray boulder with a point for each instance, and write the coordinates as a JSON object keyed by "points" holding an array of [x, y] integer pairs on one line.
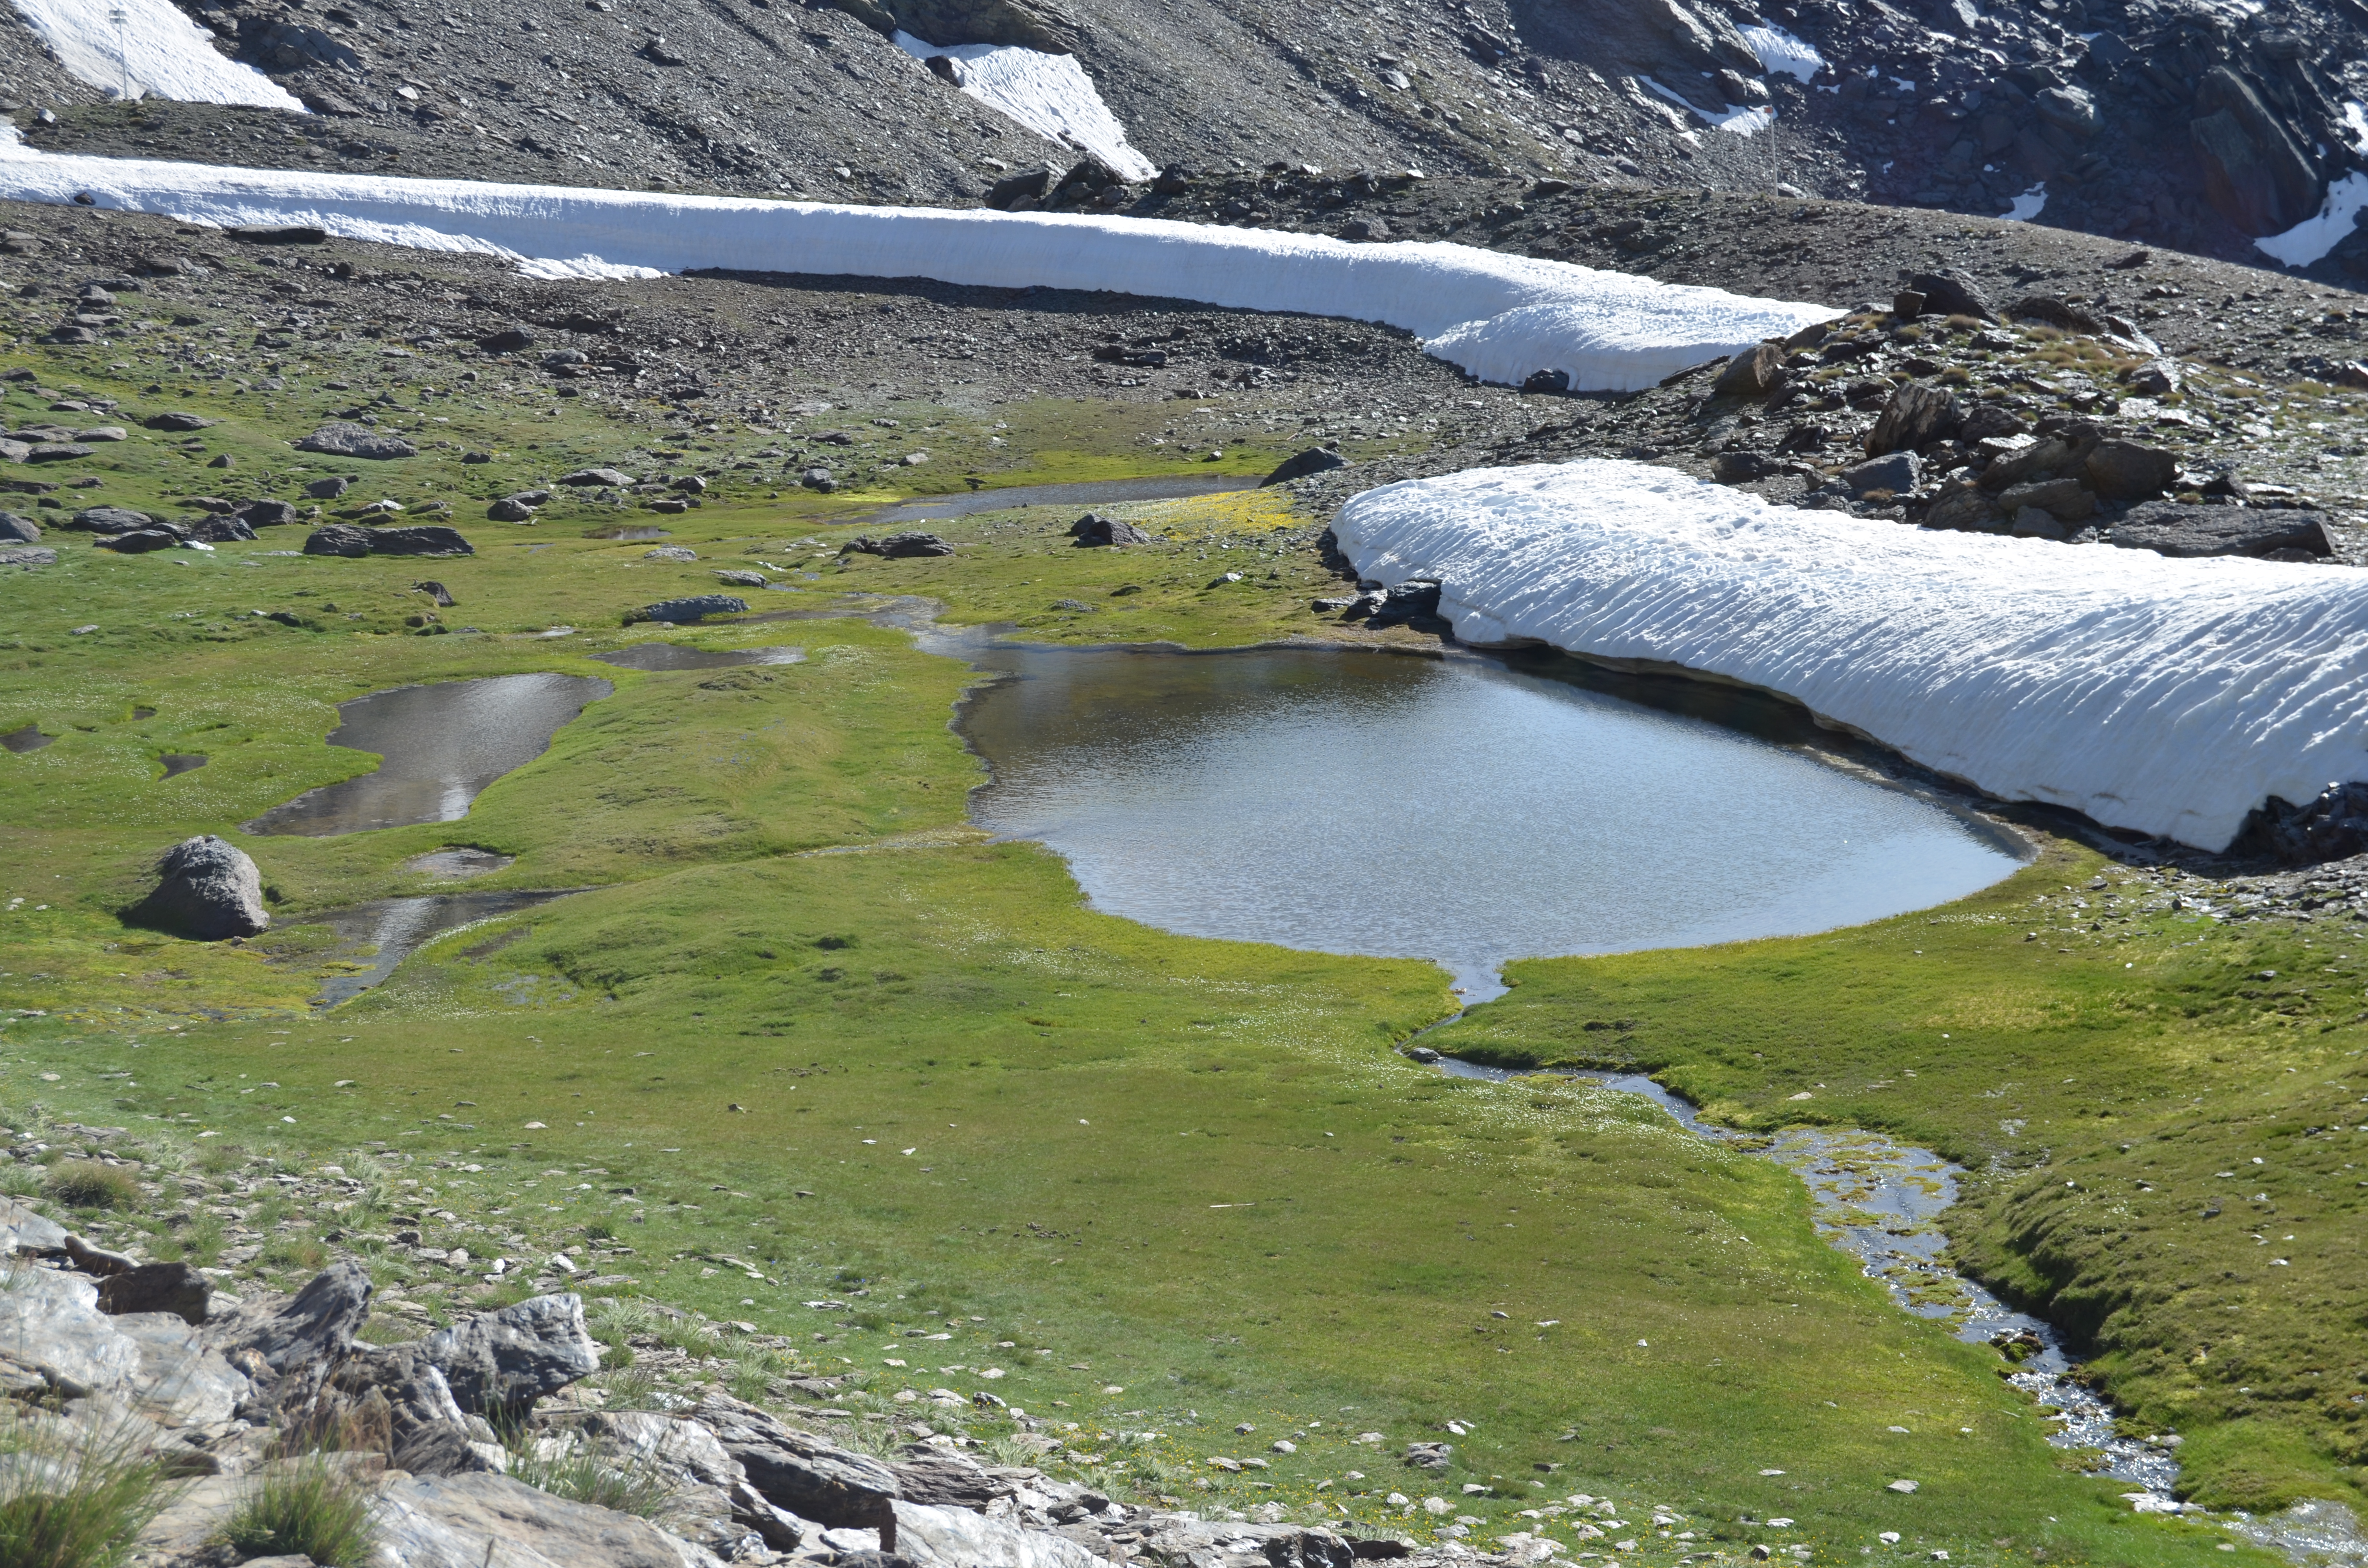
{"points": [[54, 1338], [799, 1472], [109, 520], [2167, 528], [695, 607], [425, 539], [1093, 530], [338, 538], [500, 1363], [340, 439], [1314, 461], [21, 1230], [956, 1538], [292, 1342], [14, 529], [446, 1521], [209, 890]]}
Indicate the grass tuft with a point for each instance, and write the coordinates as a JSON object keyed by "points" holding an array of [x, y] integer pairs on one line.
{"points": [[570, 1468], [305, 1508], [71, 1497], [92, 1184]]}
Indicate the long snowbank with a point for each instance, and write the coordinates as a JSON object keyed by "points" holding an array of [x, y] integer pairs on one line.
{"points": [[1500, 317], [1049, 94], [2167, 696], [163, 52]]}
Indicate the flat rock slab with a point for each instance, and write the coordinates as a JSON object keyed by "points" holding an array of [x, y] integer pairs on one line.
{"points": [[692, 608], [339, 439], [28, 556], [451, 1521], [52, 1333], [956, 1538], [2167, 528]]}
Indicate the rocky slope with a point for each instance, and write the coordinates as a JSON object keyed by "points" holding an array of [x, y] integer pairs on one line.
{"points": [[2190, 127]]}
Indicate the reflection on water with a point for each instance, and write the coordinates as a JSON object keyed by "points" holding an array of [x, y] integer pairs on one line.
{"points": [[388, 930], [1086, 493], [442, 745], [1459, 810], [673, 656]]}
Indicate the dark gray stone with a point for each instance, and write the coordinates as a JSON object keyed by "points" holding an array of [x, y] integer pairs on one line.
{"points": [[338, 538], [1952, 292], [420, 538], [110, 521], [328, 489], [1755, 372], [14, 529], [1314, 461], [220, 530], [587, 478], [139, 542], [210, 891], [339, 439], [2127, 470], [278, 234], [799, 1472], [500, 1363], [1916, 416], [291, 1343], [2334, 826], [692, 608], [2167, 528], [1093, 529], [266, 514], [1899, 473], [178, 421]]}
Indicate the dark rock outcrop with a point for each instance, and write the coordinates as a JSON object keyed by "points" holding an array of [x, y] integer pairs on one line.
{"points": [[2167, 528]]}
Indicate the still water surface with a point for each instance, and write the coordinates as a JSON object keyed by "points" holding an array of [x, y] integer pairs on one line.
{"points": [[440, 746], [1464, 811]]}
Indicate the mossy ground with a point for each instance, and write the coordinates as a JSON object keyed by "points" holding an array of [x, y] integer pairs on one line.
{"points": [[1166, 1185]]}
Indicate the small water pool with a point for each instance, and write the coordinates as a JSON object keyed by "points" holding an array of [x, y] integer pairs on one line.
{"points": [[659, 656], [1084, 492], [441, 745], [1469, 811]]}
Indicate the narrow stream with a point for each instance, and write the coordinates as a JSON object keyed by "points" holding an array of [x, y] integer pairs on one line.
{"points": [[388, 930], [1880, 1200]]}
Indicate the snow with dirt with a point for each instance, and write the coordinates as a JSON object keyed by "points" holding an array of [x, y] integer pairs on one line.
{"points": [[160, 51], [2162, 696], [1049, 94], [1500, 317]]}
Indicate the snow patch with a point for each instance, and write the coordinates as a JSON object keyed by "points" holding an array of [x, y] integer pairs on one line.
{"points": [[1779, 50], [164, 53], [2164, 696], [2314, 237], [1734, 119], [2027, 206], [1500, 317], [2355, 121], [1049, 94]]}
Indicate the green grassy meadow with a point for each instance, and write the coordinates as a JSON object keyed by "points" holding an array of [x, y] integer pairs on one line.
{"points": [[805, 1036]]}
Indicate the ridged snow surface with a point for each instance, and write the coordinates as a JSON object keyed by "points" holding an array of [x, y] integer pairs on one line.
{"points": [[1049, 94], [2167, 696], [1500, 317], [163, 52]]}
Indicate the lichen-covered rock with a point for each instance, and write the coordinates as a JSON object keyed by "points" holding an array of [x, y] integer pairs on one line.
{"points": [[695, 607], [337, 538]]}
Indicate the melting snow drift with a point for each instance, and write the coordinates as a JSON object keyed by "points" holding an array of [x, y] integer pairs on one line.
{"points": [[2162, 696], [164, 52], [1049, 94], [1779, 50], [2314, 237], [1500, 317]]}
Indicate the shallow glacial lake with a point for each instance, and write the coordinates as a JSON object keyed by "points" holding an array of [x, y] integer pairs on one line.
{"points": [[1468, 811]]}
